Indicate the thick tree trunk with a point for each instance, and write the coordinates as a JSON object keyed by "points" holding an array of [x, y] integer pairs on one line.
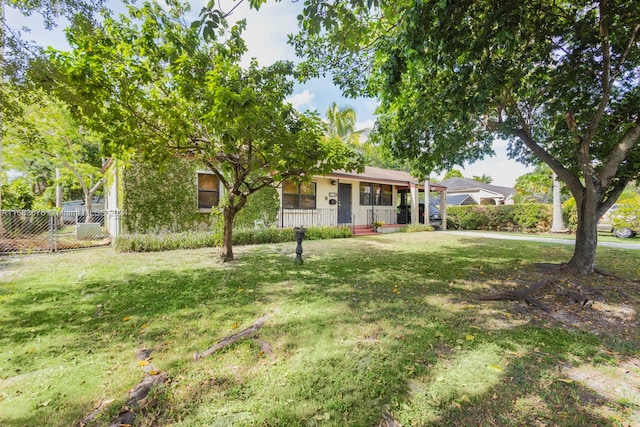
{"points": [[584, 254], [229, 215]]}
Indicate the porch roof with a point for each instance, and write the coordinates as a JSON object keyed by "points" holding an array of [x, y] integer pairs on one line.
{"points": [[401, 179]]}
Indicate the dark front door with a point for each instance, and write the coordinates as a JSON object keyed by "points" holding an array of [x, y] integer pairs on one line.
{"points": [[344, 203]]}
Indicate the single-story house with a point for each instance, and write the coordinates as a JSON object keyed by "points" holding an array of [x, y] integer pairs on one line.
{"points": [[463, 191], [182, 196], [351, 198]]}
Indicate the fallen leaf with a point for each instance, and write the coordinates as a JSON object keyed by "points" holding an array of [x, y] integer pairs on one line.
{"points": [[143, 362], [495, 368], [153, 372], [565, 380], [465, 399], [235, 325], [470, 337], [126, 318]]}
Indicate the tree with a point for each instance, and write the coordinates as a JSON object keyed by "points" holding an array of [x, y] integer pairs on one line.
{"points": [[150, 84], [47, 128], [536, 185], [453, 173], [559, 80], [484, 178]]}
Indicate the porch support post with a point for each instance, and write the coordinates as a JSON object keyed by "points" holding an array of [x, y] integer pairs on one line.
{"points": [[427, 202], [443, 209], [414, 203]]}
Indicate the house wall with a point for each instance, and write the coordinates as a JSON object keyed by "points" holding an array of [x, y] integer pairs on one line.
{"points": [[326, 214]]}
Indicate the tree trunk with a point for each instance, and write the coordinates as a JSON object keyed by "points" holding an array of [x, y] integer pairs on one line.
{"points": [[229, 214], [584, 254]]}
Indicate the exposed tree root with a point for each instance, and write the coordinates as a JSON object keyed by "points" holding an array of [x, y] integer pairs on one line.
{"points": [[388, 420], [244, 334], [523, 295]]}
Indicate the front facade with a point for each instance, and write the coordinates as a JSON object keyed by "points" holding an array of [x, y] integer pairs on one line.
{"points": [[354, 199], [181, 197]]}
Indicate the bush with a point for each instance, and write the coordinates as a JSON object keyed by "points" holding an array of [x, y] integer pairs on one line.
{"points": [[525, 217], [242, 236], [627, 214], [415, 228]]}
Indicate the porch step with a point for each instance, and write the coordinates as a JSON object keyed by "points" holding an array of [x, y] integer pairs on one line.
{"points": [[363, 230]]}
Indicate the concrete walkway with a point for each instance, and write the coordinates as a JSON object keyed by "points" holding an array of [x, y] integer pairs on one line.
{"points": [[515, 236]]}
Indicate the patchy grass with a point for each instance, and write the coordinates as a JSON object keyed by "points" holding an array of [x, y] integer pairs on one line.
{"points": [[383, 325]]}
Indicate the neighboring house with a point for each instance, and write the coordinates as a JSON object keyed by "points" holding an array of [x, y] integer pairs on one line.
{"points": [[463, 191], [183, 196], [350, 198]]}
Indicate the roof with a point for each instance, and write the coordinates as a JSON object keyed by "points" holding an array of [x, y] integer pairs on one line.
{"points": [[460, 199], [385, 176], [464, 185]]}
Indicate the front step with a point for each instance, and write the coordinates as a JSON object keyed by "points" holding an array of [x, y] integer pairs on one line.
{"points": [[363, 230]]}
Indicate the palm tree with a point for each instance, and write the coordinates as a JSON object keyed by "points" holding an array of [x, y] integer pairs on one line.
{"points": [[342, 123]]}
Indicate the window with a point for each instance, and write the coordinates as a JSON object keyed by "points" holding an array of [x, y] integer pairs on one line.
{"points": [[208, 191], [375, 194], [299, 196]]}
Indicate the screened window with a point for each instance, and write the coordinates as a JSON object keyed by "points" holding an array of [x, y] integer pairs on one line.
{"points": [[208, 191], [375, 194], [299, 195]]}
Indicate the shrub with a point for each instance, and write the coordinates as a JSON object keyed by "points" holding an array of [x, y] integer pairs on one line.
{"points": [[415, 228], [242, 236], [627, 214], [525, 217]]}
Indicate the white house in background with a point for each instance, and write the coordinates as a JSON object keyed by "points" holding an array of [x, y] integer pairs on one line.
{"points": [[463, 191], [350, 198]]}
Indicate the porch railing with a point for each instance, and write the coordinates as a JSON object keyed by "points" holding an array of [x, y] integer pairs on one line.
{"points": [[307, 218]]}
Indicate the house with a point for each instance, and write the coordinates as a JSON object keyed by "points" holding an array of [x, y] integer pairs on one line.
{"points": [[182, 197], [350, 198], [463, 191]]}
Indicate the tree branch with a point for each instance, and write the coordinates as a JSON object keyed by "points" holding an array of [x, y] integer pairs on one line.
{"points": [[618, 154]]}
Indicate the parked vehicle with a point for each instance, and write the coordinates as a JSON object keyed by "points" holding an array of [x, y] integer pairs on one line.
{"points": [[617, 220], [75, 211], [404, 215]]}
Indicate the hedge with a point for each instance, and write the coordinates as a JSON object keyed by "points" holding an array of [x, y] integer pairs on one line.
{"points": [[242, 236], [531, 217]]}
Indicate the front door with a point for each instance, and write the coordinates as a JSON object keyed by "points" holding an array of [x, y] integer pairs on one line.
{"points": [[344, 203]]}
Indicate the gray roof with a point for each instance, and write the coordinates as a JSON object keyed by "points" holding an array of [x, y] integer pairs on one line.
{"points": [[460, 199], [464, 185]]}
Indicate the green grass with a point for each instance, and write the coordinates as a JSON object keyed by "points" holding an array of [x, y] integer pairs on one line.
{"points": [[365, 326]]}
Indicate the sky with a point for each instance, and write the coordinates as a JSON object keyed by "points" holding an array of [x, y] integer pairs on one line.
{"points": [[266, 38]]}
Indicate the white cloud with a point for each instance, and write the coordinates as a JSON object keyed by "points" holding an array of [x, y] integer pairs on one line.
{"points": [[367, 124], [302, 99]]}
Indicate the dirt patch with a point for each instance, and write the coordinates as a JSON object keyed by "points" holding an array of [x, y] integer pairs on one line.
{"points": [[553, 295]]}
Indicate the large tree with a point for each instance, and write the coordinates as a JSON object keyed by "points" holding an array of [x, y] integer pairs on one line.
{"points": [[558, 79], [150, 84]]}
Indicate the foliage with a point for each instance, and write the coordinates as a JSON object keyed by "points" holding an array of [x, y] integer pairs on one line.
{"points": [[159, 197], [557, 81], [453, 173], [241, 236], [536, 185], [47, 129], [263, 205], [570, 214], [352, 330], [17, 195], [524, 217], [484, 178], [627, 214], [151, 84], [416, 228]]}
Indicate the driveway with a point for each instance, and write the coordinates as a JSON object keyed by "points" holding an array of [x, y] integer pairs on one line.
{"points": [[620, 245]]}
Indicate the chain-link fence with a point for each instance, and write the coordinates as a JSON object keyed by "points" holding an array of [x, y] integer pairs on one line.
{"points": [[25, 231]]}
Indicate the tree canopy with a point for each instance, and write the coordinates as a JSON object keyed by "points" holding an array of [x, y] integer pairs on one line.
{"points": [[559, 80], [151, 85]]}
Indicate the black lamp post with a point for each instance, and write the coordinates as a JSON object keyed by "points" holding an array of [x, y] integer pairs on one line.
{"points": [[299, 237]]}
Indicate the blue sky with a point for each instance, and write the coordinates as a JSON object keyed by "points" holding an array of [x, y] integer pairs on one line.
{"points": [[266, 37]]}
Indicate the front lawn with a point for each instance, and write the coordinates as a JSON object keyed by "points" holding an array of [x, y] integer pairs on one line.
{"points": [[367, 330]]}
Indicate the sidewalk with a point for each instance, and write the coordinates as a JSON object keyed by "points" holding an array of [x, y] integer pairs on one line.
{"points": [[488, 235]]}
